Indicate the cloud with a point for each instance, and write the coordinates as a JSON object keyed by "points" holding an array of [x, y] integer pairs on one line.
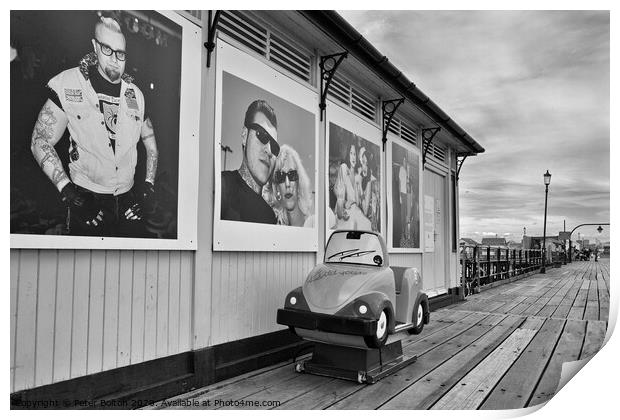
{"points": [[532, 87]]}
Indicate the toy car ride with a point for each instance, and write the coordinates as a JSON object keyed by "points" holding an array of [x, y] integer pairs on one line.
{"points": [[356, 308]]}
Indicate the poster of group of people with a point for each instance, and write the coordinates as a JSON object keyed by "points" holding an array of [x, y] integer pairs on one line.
{"points": [[354, 196], [96, 137]]}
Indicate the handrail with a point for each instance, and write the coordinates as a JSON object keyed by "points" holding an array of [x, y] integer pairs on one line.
{"points": [[483, 265]]}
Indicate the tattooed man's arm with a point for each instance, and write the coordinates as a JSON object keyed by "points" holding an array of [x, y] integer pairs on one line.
{"points": [[49, 128], [148, 138]]}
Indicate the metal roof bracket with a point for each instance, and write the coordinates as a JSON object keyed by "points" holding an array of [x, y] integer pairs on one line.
{"points": [[329, 64], [388, 108], [211, 26], [427, 138]]}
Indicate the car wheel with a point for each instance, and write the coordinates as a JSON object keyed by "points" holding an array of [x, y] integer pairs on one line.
{"points": [[380, 336], [417, 319]]}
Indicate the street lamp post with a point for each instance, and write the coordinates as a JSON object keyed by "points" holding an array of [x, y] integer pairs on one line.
{"points": [[547, 179]]}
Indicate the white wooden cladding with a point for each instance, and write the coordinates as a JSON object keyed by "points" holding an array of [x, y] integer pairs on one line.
{"points": [[78, 312], [249, 287]]}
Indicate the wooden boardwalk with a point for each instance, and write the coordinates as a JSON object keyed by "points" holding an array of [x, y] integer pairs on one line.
{"points": [[501, 349]]}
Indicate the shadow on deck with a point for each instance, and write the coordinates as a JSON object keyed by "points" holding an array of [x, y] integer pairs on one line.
{"points": [[501, 349]]}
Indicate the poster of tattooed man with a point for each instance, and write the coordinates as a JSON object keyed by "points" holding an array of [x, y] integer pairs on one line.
{"points": [[95, 123]]}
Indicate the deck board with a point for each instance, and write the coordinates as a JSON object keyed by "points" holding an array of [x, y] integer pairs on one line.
{"points": [[500, 349], [595, 335], [371, 397], [516, 387], [567, 349], [479, 382], [430, 388]]}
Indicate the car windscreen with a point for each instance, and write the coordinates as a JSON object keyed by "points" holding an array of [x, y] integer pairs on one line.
{"points": [[353, 247]]}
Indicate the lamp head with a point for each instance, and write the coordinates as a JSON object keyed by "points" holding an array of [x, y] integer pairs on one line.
{"points": [[547, 177]]}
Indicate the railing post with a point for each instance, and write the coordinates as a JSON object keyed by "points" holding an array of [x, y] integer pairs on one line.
{"points": [[527, 260], [498, 269], [488, 264], [477, 269]]}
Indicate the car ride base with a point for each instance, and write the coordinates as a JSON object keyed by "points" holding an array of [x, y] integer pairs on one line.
{"points": [[356, 364]]}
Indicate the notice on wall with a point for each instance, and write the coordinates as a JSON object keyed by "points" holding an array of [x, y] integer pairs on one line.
{"points": [[429, 223]]}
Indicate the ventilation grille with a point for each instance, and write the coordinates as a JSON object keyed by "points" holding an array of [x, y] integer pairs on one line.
{"points": [[401, 129], [408, 133], [262, 41], [342, 91], [194, 16], [438, 152]]}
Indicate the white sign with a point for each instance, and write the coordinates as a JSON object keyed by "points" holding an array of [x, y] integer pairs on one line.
{"points": [[429, 223]]}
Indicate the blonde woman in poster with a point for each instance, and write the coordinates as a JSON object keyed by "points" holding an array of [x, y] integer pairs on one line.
{"points": [[348, 212], [367, 190], [293, 202]]}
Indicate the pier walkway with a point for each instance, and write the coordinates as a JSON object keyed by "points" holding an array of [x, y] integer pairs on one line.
{"points": [[500, 349]]}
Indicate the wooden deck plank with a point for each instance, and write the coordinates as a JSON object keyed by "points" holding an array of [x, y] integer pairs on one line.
{"points": [[595, 335], [517, 385], [562, 311], [519, 308], [282, 391], [592, 311], [576, 312], [236, 388], [371, 397], [322, 397], [477, 384], [567, 349], [533, 309], [547, 311], [427, 390], [469, 318], [604, 313], [531, 299]]}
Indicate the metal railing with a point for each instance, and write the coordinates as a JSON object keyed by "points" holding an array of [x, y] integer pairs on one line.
{"points": [[483, 265]]}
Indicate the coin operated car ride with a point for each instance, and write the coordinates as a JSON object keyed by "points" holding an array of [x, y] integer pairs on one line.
{"points": [[356, 308]]}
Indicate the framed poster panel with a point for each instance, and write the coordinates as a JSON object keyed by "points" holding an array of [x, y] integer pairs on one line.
{"points": [[404, 180], [354, 182], [266, 128], [102, 120]]}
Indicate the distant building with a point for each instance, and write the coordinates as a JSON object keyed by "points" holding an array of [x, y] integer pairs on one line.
{"points": [[495, 242], [468, 242], [515, 245]]}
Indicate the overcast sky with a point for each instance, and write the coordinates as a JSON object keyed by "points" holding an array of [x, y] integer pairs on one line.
{"points": [[533, 89]]}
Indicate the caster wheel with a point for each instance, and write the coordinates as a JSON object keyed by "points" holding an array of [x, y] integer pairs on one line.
{"points": [[299, 367], [361, 377]]}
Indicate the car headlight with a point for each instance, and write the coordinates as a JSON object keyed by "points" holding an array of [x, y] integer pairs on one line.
{"points": [[293, 300], [362, 309]]}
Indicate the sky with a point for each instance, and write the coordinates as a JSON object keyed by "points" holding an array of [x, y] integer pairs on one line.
{"points": [[531, 87]]}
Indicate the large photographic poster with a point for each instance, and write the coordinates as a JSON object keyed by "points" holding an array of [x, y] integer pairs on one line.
{"points": [[265, 157], [404, 196], [105, 111], [354, 193]]}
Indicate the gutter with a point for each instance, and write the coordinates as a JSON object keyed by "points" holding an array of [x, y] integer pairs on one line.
{"points": [[346, 35]]}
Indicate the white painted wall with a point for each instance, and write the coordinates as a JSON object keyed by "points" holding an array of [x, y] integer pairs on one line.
{"points": [[75, 313]]}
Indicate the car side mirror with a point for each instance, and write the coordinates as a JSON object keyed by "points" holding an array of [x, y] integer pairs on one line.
{"points": [[378, 260]]}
